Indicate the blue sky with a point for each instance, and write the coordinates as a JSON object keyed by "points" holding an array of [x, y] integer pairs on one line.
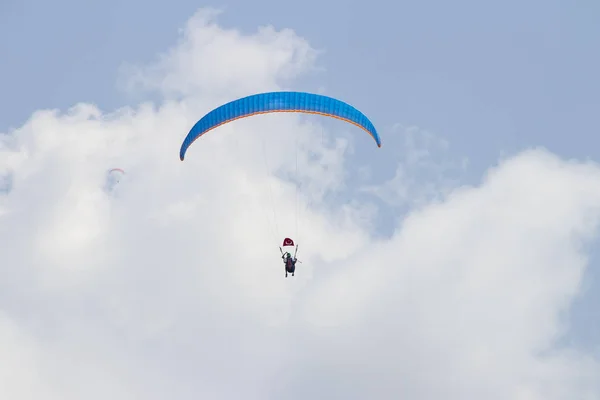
{"points": [[486, 77], [489, 79]]}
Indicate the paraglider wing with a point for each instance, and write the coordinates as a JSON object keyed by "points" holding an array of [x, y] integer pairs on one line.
{"points": [[278, 102]]}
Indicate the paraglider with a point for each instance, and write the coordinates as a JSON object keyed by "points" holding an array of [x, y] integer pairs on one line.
{"points": [[279, 102], [113, 177]]}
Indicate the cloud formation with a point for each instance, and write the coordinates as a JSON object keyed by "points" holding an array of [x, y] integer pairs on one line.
{"points": [[171, 286]]}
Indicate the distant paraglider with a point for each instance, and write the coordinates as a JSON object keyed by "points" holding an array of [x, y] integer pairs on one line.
{"points": [[113, 178]]}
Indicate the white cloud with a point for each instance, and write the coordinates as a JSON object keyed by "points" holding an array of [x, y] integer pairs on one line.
{"points": [[424, 173], [171, 286], [220, 63]]}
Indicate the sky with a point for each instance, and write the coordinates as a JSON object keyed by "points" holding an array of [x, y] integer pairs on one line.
{"points": [[457, 261]]}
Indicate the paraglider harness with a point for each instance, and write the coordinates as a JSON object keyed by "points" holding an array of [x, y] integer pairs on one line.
{"points": [[289, 261]]}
